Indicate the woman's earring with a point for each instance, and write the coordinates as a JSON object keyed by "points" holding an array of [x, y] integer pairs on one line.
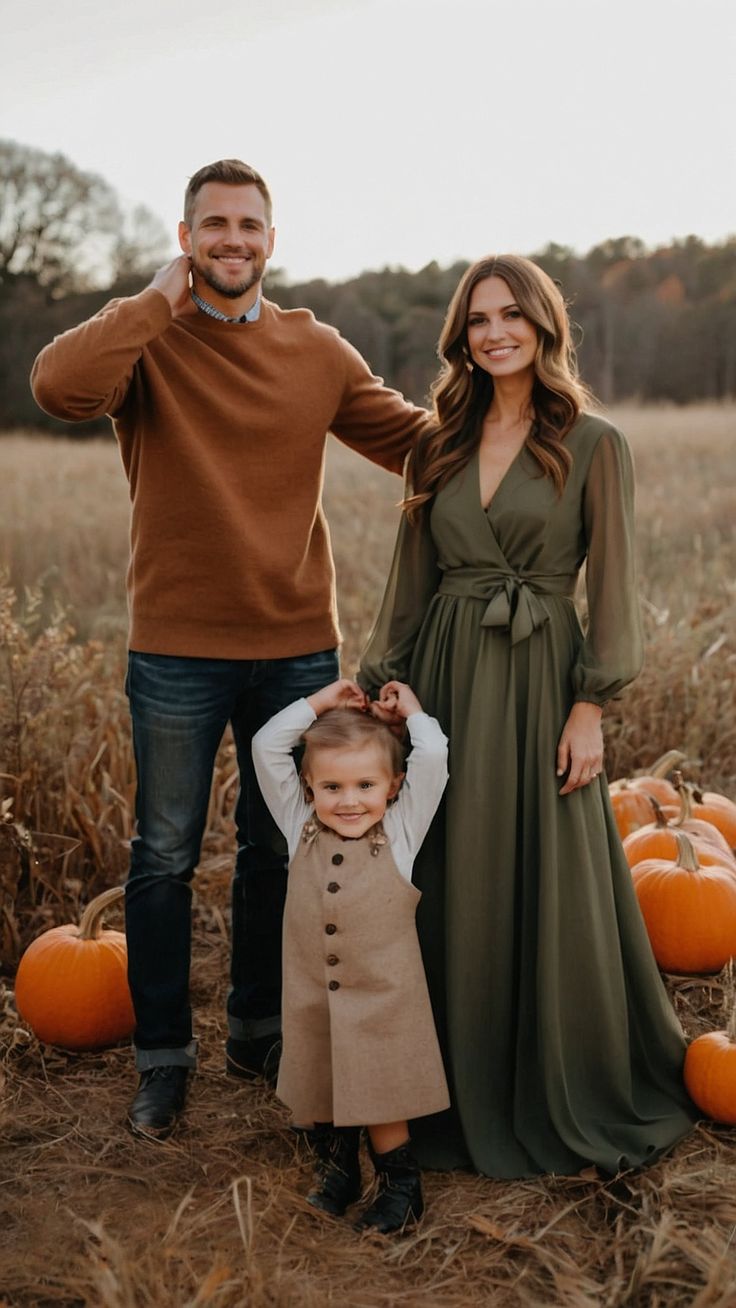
{"points": [[468, 362]]}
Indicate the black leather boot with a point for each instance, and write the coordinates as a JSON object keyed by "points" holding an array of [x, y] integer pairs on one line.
{"points": [[253, 1059], [337, 1171], [398, 1202], [159, 1100]]}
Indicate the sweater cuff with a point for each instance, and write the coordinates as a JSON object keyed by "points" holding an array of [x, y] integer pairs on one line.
{"points": [[157, 307]]}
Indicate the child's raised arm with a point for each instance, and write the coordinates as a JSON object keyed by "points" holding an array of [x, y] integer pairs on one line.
{"points": [[276, 772], [426, 777], [396, 702], [426, 770], [342, 693]]}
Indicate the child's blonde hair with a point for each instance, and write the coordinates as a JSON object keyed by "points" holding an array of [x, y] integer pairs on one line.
{"points": [[344, 729]]}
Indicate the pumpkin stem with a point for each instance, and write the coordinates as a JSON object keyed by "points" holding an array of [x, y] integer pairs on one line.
{"points": [[90, 926], [660, 819], [686, 856], [666, 763], [685, 794]]}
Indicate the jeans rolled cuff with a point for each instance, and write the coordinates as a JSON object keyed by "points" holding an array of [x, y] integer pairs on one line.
{"points": [[145, 1059], [253, 1028]]}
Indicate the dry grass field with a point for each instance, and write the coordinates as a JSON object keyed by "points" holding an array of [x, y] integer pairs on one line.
{"points": [[89, 1217]]}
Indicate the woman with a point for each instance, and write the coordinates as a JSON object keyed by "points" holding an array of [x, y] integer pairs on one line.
{"points": [[561, 1047]]}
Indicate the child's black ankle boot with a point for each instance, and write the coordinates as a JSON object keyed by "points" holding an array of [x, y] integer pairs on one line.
{"points": [[337, 1171], [398, 1201]]}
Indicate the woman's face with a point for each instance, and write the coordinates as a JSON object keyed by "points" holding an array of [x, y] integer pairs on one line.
{"points": [[500, 339]]}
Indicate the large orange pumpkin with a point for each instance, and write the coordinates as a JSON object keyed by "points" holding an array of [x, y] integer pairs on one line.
{"points": [[689, 910], [710, 1073], [72, 987]]}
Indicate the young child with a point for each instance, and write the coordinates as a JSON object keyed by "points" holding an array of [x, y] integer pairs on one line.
{"points": [[359, 1043]]}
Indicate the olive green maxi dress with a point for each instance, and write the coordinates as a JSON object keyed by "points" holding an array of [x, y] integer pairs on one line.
{"points": [[560, 1043]]}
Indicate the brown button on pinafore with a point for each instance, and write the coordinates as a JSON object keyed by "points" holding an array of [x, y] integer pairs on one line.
{"points": [[360, 1046]]}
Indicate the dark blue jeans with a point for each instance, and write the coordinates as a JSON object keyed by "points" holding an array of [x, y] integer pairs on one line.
{"points": [[179, 709]]}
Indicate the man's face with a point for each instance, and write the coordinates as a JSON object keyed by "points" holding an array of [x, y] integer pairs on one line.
{"points": [[229, 240]]}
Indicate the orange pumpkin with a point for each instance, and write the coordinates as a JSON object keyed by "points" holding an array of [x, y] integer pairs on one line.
{"points": [[655, 841], [655, 782], [658, 839], [632, 808], [719, 810], [689, 910], [72, 987], [710, 1073]]}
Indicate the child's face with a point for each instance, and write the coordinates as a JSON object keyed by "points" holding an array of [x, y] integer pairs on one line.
{"points": [[351, 787]]}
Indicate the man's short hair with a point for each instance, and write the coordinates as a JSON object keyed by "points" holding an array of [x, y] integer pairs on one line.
{"points": [[233, 172]]}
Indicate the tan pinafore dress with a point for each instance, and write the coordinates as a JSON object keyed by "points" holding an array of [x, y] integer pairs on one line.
{"points": [[360, 1046]]}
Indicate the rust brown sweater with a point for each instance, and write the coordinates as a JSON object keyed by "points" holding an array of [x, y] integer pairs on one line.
{"points": [[222, 430]]}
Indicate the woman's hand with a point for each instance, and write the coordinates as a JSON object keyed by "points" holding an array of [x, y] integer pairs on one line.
{"points": [[580, 751], [343, 693]]}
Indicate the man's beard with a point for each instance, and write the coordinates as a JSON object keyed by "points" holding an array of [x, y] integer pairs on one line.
{"points": [[230, 291]]}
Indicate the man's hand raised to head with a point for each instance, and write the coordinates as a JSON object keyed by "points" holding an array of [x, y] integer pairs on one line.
{"points": [[173, 281]]}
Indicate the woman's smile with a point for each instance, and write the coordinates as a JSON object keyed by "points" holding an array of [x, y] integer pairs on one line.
{"points": [[498, 333]]}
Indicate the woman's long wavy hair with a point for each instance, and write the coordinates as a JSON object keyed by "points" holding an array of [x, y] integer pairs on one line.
{"points": [[461, 397]]}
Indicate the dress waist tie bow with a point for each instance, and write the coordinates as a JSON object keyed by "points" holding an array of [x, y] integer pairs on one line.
{"points": [[512, 597]]}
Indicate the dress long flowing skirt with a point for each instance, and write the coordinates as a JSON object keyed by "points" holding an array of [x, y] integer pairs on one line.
{"points": [[560, 1039]]}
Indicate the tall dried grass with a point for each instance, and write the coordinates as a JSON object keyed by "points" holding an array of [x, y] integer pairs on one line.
{"points": [[92, 1219]]}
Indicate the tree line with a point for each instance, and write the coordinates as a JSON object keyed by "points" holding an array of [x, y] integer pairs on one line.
{"points": [[649, 324]]}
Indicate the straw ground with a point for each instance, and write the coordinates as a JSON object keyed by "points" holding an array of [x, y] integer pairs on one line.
{"points": [[89, 1217]]}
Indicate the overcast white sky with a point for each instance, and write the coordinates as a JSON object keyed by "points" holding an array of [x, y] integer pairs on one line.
{"points": [[395, 131]]}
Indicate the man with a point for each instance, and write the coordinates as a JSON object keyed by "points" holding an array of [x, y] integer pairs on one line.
{"points": [[221, 403]]}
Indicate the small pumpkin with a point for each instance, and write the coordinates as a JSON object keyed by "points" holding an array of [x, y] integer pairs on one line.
{"points": [[72, 986], [655, 781], [689, 910], [632, 808], [710, 1072], [658, 839], [718, 809], [654, 842]]}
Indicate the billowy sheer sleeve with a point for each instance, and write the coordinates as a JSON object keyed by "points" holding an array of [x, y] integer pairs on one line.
{"points": [[612, 652], [412, 581]]}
